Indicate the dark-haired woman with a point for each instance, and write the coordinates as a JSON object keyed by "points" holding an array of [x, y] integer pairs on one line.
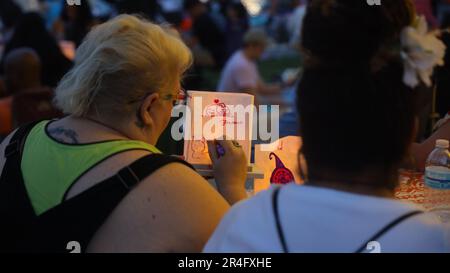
{"points": [[31, 32], [358, 121], [237, 25], [10, 13], [74, 22]]}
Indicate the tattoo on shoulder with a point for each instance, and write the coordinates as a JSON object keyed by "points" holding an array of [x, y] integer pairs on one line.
{"points": [[64, 135]]}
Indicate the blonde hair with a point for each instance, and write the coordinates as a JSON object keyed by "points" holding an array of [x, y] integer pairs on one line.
{"points": [[121, 61]]}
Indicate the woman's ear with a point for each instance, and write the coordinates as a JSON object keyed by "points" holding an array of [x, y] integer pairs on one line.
{"points": [[145, 114]]}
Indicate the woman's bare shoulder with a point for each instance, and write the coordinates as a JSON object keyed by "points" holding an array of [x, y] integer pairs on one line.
{"points": [[173, 210]]}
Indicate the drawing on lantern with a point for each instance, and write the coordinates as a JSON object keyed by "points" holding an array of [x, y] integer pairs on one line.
{"points": [[213, 115], [199, 148], [281, 174], [217, 109]]}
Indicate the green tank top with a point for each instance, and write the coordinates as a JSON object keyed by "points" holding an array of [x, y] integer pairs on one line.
{"points": [[49, 167]]}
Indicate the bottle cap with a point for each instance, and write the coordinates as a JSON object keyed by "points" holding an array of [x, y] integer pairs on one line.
{"points": [[442, 143]]}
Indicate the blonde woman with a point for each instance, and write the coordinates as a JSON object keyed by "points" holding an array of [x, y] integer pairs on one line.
{"points": [[94, 181]]}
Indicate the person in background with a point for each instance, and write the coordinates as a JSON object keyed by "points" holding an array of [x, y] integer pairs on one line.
{"points": [[172, 12], [99, 168], [443, 12], [3, 92], [206, 31], [277, 13], [5, 121], [74, 22], [22, 68], [148, 8], [5, 116], [357, 122], [425, 7], [442, 79], [237, 24], [241, 72], [10, 14], [31, 32], [294, 24], [421, 151], [29, 5], [30, 99]]}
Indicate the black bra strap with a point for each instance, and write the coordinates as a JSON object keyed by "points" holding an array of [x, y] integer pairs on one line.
{"points": [[276, 212], [388, 227], [363, 247]]}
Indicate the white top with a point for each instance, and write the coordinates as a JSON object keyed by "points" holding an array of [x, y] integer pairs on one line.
{"points": [[324, 220], [239, 73]]}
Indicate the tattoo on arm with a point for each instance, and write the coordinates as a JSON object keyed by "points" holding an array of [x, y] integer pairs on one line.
{"points": [[64, 135]]}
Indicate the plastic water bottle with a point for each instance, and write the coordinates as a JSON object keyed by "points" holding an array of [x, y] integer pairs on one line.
{"points": [[437, 180]]}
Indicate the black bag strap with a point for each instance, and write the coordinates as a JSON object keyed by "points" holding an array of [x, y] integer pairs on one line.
{"points": [[375, 237], [17, 142], [79, 218], [13, 198]]}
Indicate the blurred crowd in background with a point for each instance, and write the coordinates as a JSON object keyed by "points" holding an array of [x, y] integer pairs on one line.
{"points": [[47, 33]]}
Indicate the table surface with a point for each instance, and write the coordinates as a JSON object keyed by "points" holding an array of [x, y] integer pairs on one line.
{"points": [[411, 187]]}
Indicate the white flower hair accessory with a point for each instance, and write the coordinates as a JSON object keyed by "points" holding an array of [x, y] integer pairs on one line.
{"points": [[421, 52]]}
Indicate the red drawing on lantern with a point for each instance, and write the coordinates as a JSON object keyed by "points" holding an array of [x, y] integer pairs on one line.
{"points": [[281, 174], [218, 109]]}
